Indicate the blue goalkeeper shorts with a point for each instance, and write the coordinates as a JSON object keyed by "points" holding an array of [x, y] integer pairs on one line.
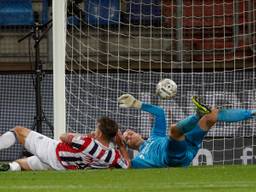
{"points": [[181, 153]]}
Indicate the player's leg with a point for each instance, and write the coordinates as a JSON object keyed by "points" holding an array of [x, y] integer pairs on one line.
{"points": [[197, 134], [224, 115], [18, 165], [227, 115], [35, 164], [175, 136], [175, 133], [209, 120], [37, 144], [187, 124], [176, 148], [44, 148], [178, 144], [201, 107], [235, 115], [17, 134], [178, 131], [201, 128], [12, 166], [25, 164]]}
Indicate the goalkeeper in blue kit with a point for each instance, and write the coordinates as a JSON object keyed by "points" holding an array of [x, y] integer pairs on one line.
{"points": [[184, 139]]}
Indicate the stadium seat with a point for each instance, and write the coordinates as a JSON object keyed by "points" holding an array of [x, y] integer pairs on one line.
{"points": [[102, 12], [45, 17], [144, 12], [16, 13]]}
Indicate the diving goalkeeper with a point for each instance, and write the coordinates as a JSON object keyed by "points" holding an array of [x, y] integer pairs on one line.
{"points": [[184, 139]]}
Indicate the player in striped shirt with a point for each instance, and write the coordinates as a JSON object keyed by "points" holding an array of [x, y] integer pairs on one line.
{"points": [[181, 144], [72, 152]]}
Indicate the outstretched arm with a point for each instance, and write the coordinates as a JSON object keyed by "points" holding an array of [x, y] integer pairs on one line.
{"points": [[159, 125], [159, 122]]}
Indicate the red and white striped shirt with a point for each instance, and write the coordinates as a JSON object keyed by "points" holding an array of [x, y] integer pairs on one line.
{"points": [[86, 152]]}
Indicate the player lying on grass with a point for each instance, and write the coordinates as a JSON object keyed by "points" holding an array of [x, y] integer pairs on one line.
{"points": [[184, 139], [72, 152]]}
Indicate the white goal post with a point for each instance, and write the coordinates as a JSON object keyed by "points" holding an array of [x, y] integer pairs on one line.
{"points": [[59, 44]]}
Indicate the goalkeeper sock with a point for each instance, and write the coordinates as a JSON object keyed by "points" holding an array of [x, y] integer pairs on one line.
{"points": [[188, 123], [234, 115], [7, 140]]}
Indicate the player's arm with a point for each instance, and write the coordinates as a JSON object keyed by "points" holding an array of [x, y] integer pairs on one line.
{"points": [[67, 137], [122, 148], [159, 124], [76, 141]]}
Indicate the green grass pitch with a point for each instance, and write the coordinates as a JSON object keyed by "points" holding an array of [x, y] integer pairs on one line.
{"points": [[205, 178]]}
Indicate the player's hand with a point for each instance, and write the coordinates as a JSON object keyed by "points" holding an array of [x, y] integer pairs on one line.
{"points": [[67, 137], [128, 101], [92, 134], [119, 140]]}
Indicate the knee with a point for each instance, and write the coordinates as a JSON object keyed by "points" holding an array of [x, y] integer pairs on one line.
{"points": [[212, 117], [19, 130], [21, 133], [175, 133], [209, 120]]}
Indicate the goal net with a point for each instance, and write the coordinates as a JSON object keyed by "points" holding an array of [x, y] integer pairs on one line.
{"points": [[206, 47]]}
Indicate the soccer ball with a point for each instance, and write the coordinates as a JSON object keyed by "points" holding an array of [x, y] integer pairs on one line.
{"points": [[166, 89]]}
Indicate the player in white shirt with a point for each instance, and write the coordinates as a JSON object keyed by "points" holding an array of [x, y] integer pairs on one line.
{"points": [[71, 152]]}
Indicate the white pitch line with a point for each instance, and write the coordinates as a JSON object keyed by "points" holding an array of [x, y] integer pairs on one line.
{"points": [[122, 186]]}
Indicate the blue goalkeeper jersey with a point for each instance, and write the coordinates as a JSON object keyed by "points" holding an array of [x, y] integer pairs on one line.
{"points": [[159, 150]]}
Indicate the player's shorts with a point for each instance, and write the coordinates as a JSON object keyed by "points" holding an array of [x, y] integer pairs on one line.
{"points": [[36, 164], [44, 148], [196, 136], [181, 153]]}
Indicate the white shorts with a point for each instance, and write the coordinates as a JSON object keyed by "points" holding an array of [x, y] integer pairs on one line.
{"points": [[36, 164], [44, 148]]}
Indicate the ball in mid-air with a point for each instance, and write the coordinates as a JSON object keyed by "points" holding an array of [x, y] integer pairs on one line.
{"points": [[166, 89]]}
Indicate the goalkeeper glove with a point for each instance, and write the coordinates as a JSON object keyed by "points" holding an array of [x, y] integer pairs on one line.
{"points": [[128, 101]]}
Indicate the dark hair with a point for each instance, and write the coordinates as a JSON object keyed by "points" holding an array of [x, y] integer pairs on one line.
{"points": [[108, 127]]}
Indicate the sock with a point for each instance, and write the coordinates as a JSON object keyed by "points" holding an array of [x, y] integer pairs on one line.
{"points": [[188, 123], [14, 166], [7, 140], [234, 115]]}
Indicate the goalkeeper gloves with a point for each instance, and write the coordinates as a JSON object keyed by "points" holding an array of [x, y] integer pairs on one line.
{"points": [[128, 101]]}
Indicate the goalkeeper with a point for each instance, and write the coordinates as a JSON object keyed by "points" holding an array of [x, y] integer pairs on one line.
{"points": [[180, 146]]}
